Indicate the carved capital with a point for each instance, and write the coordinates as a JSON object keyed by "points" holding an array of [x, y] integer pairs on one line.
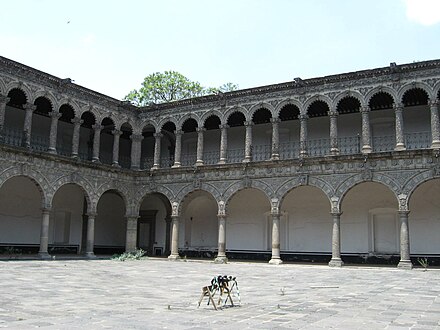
{"points": [[117, 132], [200, 129], [54, 114], [275, 120], [248, 123], [29, 107], [178, 132], [221, 208], [4, 99], [136, 137], [174, 209], [403, 202], [335, 208], [97, 127], [157, 135], [77, 121], [275, 206], [224, 126]]}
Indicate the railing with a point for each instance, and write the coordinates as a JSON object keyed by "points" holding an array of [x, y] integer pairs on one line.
{"points": [[318, 147], [85, 153], [211, 157], [106, 157], [261, 152], [13, 136], [349, 145], [289, 150], [235, 155], [419, 140], [147, 163], [124, 161], [39, 142], [188, 159], [383, 143]]}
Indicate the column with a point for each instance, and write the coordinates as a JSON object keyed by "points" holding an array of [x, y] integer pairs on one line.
{"points": [[336, 260], [167, 235], [136, 140], [400, 142], [221, 253], [3, 101], [200, 131], [275, 138], [248, 142], [334, 150], [223, 144], [366, 135], [156, 161], [90, 235], [29, 108], [303, 135], [116, 135], [44, 234], [131, 235], [96, 141], [174, 238], [435, 130], [405, 261], [276, 257], [53, 131], [75, 137], [178, 149]]}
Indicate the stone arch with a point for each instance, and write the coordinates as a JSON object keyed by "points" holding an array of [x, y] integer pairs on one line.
{"points": [[188, 189], [117, 187], [210, 113], [304, 180], [345, 94], [72, 104], [414, 85], [49, 97], [318, 97], [187, 117], [240, 185], [2, 87], [166, 120], [232, 110], [160, 189], [86, 194], [436, 91], [146, 123], [416, 180], [76, 179], [19, 85], [287, 102], [258, 106], [381, 89]]}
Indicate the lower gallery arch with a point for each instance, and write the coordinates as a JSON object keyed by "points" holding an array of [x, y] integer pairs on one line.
{"points": [[424, 219], [248, 225], [306, 225], [20, 215], [110, 224], [154, 225], [68, 220], [199, 229], [369, 224]]}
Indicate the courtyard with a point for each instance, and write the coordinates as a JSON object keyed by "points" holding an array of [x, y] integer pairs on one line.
{"points": [[160, 294]]}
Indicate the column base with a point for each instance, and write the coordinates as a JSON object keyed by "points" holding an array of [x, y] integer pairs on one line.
{"points": [[303, 153], [400, 147], [90, 255], [52, 151], [221, 260], [44, 255], [155, 167], [135, 168], [222, 161], [367, 149], [95, 160], [435, 144], [334, 151], [74, 156], [199, 163], [173, 257], [116, 165], [275, 157], [247, 160], [405, 264], [176, 165], [336, 262], [275, 261]]}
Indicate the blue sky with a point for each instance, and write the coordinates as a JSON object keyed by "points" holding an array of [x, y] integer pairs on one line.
{"points": [[110, 46]]}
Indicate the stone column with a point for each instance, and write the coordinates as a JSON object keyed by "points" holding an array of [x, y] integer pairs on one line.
{"points": [[29, 108], [44, 234], [275, 138], [131, 235], [167, 235], [366, 135], [435, 130], [276, 257], [156, 161], [200, 131], [405, 261], [400, 139], [174, 238], [336, 260], [223, 144], [334, 150], [303, 135], [248, 142], [96, 141], [75, 137], [178, 149], [3, 101], [136, 140], [116, 135], [90, 235], [53, 131], [221, 253]]}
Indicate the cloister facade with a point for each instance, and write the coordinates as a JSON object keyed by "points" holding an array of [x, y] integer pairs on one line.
{"points": [[338, 166]]}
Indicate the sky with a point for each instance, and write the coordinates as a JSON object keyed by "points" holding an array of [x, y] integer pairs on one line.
{"points": [[110, 46]]}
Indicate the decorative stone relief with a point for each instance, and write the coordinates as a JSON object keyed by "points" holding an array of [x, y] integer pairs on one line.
{"points": [[403, 202]]}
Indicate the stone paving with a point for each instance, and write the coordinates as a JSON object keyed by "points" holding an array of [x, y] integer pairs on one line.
{"points": [[161, 294]]}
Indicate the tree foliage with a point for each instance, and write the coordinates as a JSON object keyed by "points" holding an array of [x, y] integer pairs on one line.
{"points": [[171, 86]]}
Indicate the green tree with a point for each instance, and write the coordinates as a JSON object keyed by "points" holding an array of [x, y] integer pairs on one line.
{"points": [[171, 86]]}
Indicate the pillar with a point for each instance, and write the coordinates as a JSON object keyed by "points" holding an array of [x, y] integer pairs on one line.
{"points": [[3, 101], [90, 235], [405, 261], [221, 253], [136, 140], [435, 130], [200, 131], [248, 142], [303, 134], [156, 161], [336, 260], [275, 139], [167, 235], [53, 131], [334, 150], [75, 137], [44, 234], [276, 257], [29, 108], [131, 234], [96, 141], [174, 238], [116, 135], [366, 134], [400, 142], [223, 144], [178, 149]]}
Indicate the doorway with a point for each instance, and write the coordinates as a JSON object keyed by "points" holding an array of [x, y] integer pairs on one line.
{"points": [[146, 231]]}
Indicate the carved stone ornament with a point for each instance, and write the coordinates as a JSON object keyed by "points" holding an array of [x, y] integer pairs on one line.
{"points": [[175, 209], [221, 208], [436, 171], [196, 183], [403, 202], [74, 177], [247, 182], [304, 180], [335, 204], [367, 174], [274, 206]]}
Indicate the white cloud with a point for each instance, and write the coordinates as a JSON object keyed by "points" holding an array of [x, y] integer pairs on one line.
{"points": [[425, 12], [89, 39]]}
